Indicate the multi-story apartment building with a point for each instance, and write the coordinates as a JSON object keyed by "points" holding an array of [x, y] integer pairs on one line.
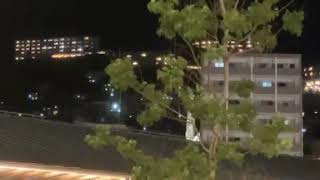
{"points": [[55, 48], [278, 79]]}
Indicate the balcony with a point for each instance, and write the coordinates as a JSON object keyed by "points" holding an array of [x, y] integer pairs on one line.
{"points": [[291, 108], [289, 90], [265, 108], [263, 90]]}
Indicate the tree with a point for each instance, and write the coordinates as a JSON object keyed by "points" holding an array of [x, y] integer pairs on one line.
{"points": [[259, 21]]}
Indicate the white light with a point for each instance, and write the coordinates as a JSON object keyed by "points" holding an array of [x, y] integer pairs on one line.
{"points": [[130, 116], [55, 112], [115, 106], [101, 52], [135, 63], [129, 56], [144, 54], [219, 64], [111, 94], [159, 59], [266, 84], [144, 128], [304, 130], [286, 122]]}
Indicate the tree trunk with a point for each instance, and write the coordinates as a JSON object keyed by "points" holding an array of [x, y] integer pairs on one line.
{"points": [[226, 89]]}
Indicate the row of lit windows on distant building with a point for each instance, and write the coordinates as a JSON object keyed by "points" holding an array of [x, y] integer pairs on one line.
{"points": [[231, 44], [64, 47]]}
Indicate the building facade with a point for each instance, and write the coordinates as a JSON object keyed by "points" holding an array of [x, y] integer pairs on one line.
{"points": [[55, 48], [279, 88]]}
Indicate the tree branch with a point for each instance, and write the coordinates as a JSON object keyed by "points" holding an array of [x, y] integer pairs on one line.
{"points": [[163, 105], [243, 52], [236, 4], [286, 6], [200, 140], [194, 57], [222, 6]]}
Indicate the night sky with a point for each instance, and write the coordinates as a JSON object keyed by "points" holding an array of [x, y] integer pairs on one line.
{"points": [[121, 24]]}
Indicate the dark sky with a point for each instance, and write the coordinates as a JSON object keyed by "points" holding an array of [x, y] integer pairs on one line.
{"points": [[124, 24]]}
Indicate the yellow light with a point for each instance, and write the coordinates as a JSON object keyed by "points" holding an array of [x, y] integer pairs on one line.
{"points": [[44, 172], [194, 67]]}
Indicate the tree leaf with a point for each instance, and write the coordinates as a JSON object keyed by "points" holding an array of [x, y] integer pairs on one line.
{"points": [[293, 22]]}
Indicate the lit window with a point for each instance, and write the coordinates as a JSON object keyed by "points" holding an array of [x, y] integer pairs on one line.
{"points": [[32, 52], [74, 42], [17, 58], [86, 38], [22, 52], [33, 48], [22, 58], [61, 47], [17, 42], [38, 48], [28, 41], [266, 84], [56, 43], [80, 49], [62, 39], [218, 64], [73, 50], [17, 49], [50, 40], [44, 47], [33, 41], [17, 45]]}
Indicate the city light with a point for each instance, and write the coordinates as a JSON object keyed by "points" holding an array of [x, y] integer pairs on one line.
{"points": [[135, 63], [115, 107], [65, 55]]}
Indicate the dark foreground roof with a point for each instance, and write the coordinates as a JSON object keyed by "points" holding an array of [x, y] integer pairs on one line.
{"points": [[29, 140]]}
